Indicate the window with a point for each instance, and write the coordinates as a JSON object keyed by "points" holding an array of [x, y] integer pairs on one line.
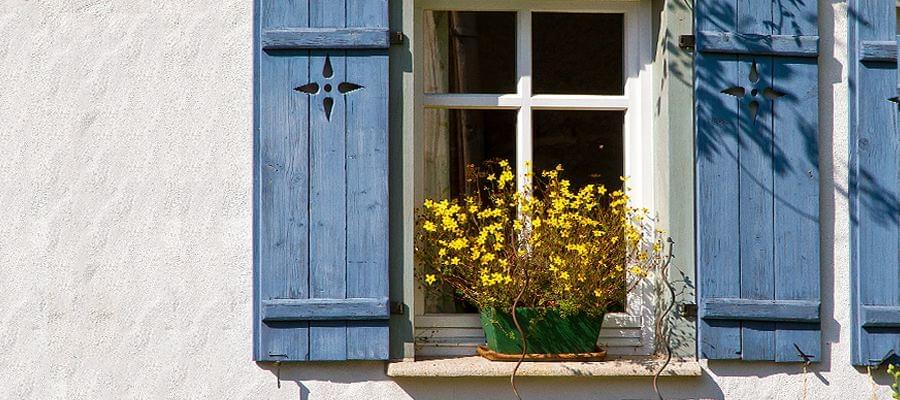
{"points": [[540, 82]]}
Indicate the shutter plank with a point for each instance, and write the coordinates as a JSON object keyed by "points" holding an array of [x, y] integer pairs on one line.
{"points": [[756, 209], [328, 183], [717, 181], [717, 188], [282, 189], [367, 182], [796, 202], [755, 152], [874, 179]]}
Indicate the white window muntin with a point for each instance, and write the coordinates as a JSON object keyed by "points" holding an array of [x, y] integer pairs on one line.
{"points": [[627, 333]]}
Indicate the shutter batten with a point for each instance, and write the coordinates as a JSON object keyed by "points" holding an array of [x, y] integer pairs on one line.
{"points": [[874, 183], [321, 198], [325, 38], [757, 177]]}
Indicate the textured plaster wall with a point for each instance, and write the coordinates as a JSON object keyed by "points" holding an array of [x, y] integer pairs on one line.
{"points": [[125, 221]]}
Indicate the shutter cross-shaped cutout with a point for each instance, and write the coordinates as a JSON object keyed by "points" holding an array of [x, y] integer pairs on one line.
{"points": [[343, 88], [739, 92]]}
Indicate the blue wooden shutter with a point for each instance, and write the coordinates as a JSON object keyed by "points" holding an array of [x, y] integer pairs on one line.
{"points": [[757, 179], [320, 221], [874, 182]]}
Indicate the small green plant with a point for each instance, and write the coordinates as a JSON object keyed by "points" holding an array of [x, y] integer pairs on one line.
{"points": [[894, 370]]}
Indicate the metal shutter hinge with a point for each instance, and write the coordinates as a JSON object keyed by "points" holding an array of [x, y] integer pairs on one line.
{"points": [[397, 38], [686, 42], [688, 310], [398, 308]]}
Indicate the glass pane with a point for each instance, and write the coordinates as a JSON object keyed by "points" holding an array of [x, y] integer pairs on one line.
{"points": [[588, 144], [470, 52], [454, 139], [578, 53]]}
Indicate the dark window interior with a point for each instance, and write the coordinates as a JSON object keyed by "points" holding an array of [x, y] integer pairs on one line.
{"points": [[578, 53], [588, 144]]}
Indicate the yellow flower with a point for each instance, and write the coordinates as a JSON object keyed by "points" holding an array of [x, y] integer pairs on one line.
{"points": [[458, 244], [430, 279], [454, 261], [429, 226], [449, 223], [598, 292], [505, 178]]}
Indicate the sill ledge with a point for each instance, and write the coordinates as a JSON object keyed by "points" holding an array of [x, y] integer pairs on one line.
{"points": [[478, 367]]}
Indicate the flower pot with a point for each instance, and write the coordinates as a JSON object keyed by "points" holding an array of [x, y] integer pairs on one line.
{"points": [[547, 331]]}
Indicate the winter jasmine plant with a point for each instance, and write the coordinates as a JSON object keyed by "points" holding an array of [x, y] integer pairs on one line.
{"points": [[552, 246]]}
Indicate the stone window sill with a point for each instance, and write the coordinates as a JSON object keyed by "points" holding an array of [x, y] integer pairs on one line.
{"points": [[473, 367]]}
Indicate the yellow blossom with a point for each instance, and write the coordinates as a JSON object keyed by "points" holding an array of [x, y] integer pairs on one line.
{"points": [[429, 226], [430, 279]]}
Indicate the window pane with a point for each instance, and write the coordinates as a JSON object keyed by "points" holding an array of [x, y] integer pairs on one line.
{"points": [[578, 53], [470, 52], [588, 144], [454, 139]]}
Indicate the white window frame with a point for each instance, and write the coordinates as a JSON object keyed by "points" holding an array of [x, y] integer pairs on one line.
{"points": [[628, 333]]}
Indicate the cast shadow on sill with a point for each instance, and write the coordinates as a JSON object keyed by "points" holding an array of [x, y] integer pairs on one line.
{"points": [[344, 378]]}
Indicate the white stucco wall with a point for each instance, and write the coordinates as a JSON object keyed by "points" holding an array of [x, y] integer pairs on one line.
{"points": [[125, 221]]}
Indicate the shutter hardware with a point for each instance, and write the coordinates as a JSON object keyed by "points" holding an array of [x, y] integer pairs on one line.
{"points": [[397, 38], [688, 310], [807, 358], [398, 308], [686, 41]]}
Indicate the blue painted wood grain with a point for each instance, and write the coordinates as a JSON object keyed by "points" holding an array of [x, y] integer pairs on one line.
{"points": [[325, 38], [874, 180], [328, 184], [717, 178], [797, 265], [760, 310], [282, 194], [756, 233], [877, 51], [880, 316], [325, 309], [367, 181], [756, 181], [757, 44], [320, 262]]}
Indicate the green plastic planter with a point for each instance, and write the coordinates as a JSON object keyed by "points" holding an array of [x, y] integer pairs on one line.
{"points": [[548, 331]]}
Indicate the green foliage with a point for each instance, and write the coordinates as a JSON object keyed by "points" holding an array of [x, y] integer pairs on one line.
{"points": [[894, 370]]}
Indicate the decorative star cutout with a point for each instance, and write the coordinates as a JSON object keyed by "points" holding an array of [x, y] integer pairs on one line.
{"points": [[739, 92], [343, 88]]}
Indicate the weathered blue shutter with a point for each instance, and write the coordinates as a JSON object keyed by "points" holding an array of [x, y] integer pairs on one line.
{"points": [[320, 221], [874, 182], [757, 179]]}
